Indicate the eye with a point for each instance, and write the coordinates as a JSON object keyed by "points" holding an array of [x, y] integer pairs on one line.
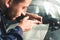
{"points": [[24, 7]]}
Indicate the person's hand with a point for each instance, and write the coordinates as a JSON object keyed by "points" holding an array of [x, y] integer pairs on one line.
{"points": [[26, 24], [34, 16]]}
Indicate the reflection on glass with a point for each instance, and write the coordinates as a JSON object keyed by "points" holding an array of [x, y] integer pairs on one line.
{"points": [[33, 9]]}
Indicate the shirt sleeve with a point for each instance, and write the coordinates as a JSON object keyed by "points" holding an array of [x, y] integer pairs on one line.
{"points": [[12, 34]]}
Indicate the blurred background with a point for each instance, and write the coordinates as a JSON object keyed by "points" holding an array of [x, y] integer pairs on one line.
{"points": [[50, 11]]}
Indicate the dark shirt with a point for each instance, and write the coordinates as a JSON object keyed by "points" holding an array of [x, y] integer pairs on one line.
{"points": [[12, 34]]}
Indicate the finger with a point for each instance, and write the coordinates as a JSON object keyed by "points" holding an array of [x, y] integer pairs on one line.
{"points": [[35, 22], [26, 18], [41, 20]]}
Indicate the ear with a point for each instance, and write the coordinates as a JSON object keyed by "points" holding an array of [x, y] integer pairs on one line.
{"points": [[8, 3]]}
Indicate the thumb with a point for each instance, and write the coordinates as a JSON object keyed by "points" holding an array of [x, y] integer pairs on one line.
{"points": [[26, 18]]}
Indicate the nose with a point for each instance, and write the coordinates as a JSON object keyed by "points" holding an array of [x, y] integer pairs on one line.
{"points": [[24, 12]]}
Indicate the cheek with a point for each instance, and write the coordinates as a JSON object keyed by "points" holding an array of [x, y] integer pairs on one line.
{"points": [[19, 11]]}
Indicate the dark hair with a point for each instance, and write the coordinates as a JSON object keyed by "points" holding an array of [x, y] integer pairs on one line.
{"points": [[18, 1]]}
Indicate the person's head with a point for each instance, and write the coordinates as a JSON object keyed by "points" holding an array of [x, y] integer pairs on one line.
{"points": [[16, 7]]}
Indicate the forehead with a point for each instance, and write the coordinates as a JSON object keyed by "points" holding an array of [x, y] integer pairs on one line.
{"points": [[28, 1], [25, 3]]}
